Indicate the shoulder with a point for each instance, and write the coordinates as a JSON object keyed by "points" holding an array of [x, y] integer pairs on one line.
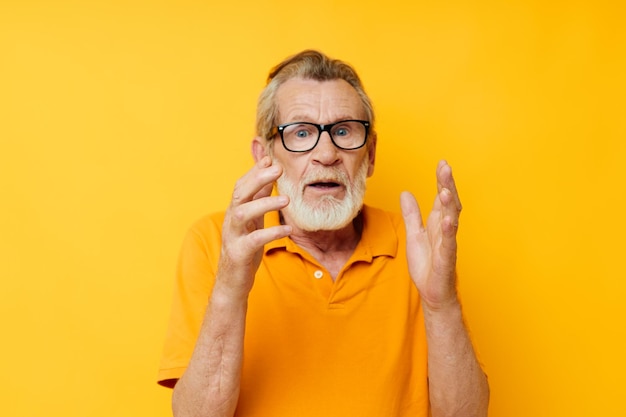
{"points": [[383, 231], [382, 220], [208, 225], [204, 236]]}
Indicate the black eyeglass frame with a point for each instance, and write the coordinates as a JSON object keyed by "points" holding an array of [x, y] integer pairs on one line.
{"points": [[320, 129]]}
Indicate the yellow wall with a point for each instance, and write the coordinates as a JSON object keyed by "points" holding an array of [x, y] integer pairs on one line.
{"points": [[122, 122]]}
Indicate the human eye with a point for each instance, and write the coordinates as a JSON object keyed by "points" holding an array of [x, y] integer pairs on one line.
{"points": [[300, 131], [342, 130]]}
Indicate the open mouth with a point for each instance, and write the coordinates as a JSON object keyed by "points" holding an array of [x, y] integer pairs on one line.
{"points": [[324, 184]]}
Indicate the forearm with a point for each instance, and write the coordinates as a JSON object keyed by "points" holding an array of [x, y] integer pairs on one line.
{"points": [[210, 385], [457, 384]]}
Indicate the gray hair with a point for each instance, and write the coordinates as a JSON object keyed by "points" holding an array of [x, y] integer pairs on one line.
{"points": [[308, 64]]}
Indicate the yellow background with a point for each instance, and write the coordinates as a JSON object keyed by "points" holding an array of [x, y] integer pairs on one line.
{"points": [[123, 122]]}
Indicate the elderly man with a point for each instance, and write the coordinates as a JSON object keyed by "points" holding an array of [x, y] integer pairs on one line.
{"points": [[302, 301]]}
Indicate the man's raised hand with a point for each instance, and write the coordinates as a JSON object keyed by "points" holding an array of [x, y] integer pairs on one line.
{"points": [[243, 231], [431, 249]]}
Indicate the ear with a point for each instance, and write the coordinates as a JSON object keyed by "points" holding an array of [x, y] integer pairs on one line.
{"points": [[259, 148], [371, 155]]}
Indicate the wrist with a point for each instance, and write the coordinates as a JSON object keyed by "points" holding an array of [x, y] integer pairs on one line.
{"points": [[441, 303], [450, 307], [224, 294]]}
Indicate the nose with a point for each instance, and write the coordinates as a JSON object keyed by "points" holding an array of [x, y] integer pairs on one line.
{"points": [[325, 153]]}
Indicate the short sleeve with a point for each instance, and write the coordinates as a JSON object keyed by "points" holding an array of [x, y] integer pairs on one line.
{"points": [[195, 275]]}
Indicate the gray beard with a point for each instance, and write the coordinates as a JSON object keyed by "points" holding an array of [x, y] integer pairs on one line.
{"points": [[328, 213]]}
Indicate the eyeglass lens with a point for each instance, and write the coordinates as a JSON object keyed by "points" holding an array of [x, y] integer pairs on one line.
{"points": [[304, 136]]}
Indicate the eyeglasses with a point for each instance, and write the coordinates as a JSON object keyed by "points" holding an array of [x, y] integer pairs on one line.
{"points": [[304, 136]]}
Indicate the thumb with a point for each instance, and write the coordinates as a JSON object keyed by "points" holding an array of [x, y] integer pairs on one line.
{"points": [[411, 213]]}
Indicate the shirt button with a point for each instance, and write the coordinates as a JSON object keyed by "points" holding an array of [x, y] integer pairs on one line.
{"points": [[318, 274]]}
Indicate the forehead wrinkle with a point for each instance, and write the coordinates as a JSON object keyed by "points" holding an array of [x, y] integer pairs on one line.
{"points": [[311, 101], [306, 119]]}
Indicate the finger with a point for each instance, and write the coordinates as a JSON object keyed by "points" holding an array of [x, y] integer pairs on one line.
{"points": [[260, 237], [448, 242], [417, 247], [449, 225], [264, 192], [446, 180], [448, 204], [258, 180], [411, 212], [449, 212], [439, 174], [249, 216]]}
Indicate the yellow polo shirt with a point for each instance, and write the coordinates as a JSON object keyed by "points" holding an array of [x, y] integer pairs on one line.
{"points": [[355, 346]]}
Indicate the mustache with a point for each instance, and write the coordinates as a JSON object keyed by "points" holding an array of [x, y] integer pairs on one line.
{"points": [[325, 175]]}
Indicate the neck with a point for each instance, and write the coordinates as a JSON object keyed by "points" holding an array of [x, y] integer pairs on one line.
{"points": [[332, 248]]}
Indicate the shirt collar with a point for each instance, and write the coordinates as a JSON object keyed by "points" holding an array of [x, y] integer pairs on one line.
{"points": [[379, 237]]}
